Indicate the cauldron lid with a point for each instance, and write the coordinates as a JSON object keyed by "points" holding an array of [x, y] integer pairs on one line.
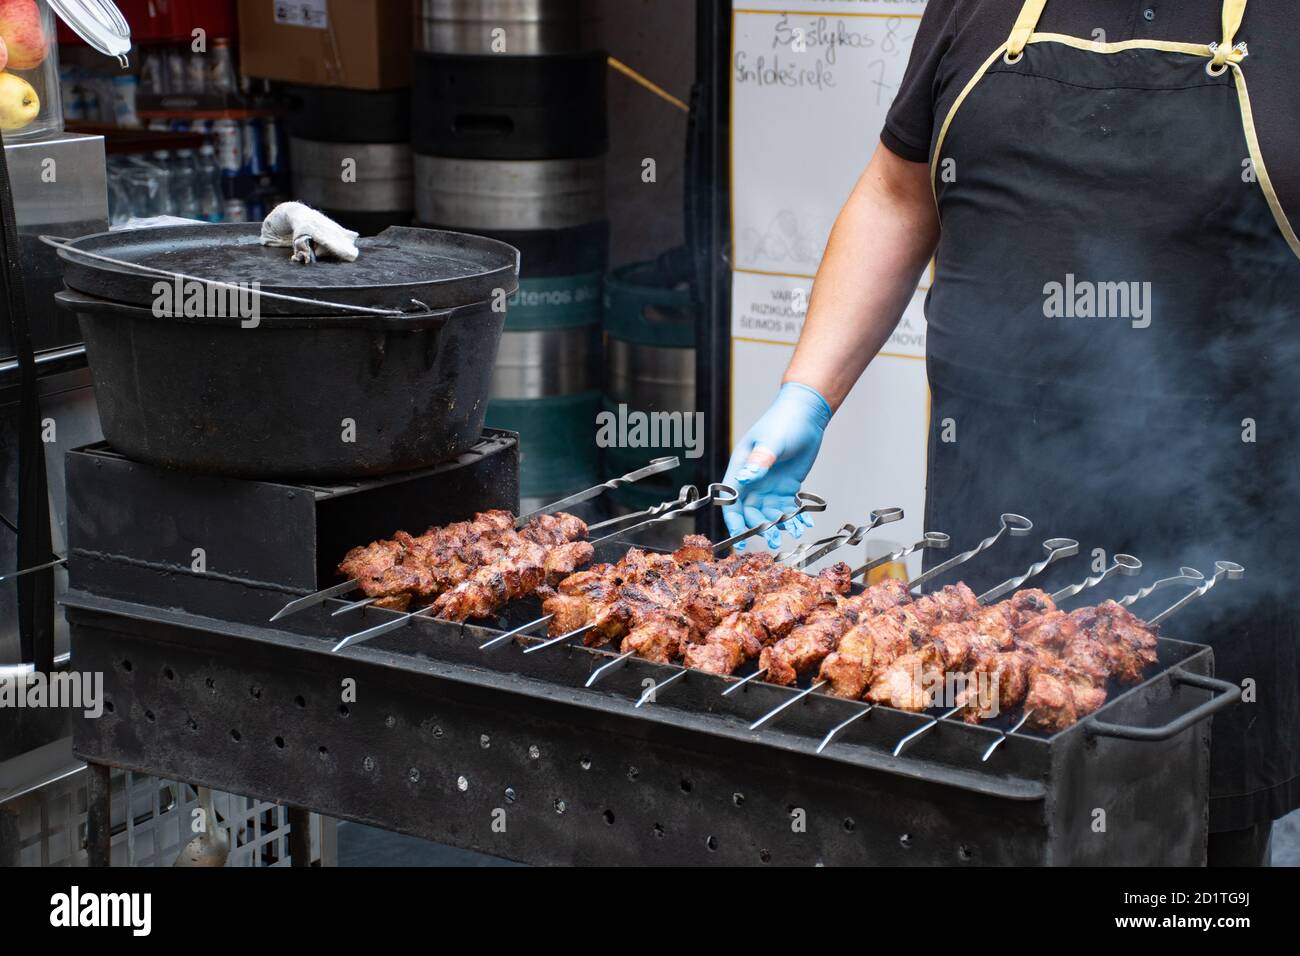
{"points": [[402, 268]]}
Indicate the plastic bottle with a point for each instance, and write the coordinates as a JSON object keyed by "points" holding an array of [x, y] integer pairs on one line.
{"points": [[185, 185], [160, 184], [209, 184]]}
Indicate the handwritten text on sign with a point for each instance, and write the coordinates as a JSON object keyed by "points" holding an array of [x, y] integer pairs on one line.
{"points": [[809, 92]]}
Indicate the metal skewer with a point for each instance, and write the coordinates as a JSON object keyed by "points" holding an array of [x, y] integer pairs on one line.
{"points": [[789, 703], [516, 632], [39, 567], [362, 636], [655, 467], [1222, 569], [603, 669], [687, 495], [652, 691], [355, 606], [1016, 525], [311, 600], [835, 731], [923, 730], [848, 535], [935, 540], [798, 557], [1056, 549], [718, 494], [758, 674], [808, 504], [1124, 564], [1005, 734], [1185, 575]]}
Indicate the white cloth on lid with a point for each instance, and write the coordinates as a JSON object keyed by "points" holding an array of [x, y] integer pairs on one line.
{"points": [[309, 232]]}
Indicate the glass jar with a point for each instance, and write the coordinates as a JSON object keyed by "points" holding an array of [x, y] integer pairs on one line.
{"points": [[30, 103], [29, 81]]}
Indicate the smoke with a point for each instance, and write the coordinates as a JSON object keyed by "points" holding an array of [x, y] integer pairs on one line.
{"points": [[1169, 433]]}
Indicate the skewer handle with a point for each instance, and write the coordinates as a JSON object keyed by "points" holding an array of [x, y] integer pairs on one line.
{"points": [[935, 540], [718, 494], [803, 555], [1056, 549], [1222, 569], [1124, 564], [687, 495], [657, 466], [1016, 525], [848, 535], [1185, 576], [808, 504]]}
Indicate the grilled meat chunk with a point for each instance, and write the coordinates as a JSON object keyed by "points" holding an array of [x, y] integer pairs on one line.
{"points": [[810, 643], [1127, 644], [444, 557], [906, 684], [695, 547], [518, 574], [1059, 695]]}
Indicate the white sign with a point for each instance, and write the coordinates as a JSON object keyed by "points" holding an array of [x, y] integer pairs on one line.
{"points": [[303, 13], [810, 88]]}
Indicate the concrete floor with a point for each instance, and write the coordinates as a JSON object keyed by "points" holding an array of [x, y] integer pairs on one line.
{"points": [[366, 846]]}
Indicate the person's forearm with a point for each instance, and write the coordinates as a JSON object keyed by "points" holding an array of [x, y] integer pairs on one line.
{"points": [[882, 240]]}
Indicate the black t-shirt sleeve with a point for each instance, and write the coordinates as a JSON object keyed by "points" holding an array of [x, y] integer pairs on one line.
{"points": [[909, 125]]}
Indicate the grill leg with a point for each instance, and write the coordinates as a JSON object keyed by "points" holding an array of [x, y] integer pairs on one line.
{"points": [[299, 837], [99, 816]]}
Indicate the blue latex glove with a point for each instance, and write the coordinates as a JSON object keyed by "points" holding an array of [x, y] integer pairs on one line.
{"points": [[772, 460]]}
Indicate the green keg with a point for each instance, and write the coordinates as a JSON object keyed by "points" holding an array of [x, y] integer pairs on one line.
{"points": [[546, 385]]}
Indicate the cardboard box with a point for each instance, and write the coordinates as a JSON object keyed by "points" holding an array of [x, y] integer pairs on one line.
{"points": [[358, 44]]}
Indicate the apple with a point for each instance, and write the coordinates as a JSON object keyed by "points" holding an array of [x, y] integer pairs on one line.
{"points": [[23, 31], [19, 104], [4, 53]]}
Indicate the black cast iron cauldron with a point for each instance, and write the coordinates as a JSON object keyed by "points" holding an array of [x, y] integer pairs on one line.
{"points": [[297, 397], [339, 394]]}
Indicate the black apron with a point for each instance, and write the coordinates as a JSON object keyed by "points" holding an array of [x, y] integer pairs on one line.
{"points": [[1114, 329]]}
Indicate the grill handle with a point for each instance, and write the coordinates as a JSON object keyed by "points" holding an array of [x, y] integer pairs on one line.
{"points": [[1225, 695]]}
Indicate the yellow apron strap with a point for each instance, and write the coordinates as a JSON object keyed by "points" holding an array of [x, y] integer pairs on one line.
{"points": [[1028, 20], [1233, 10]]}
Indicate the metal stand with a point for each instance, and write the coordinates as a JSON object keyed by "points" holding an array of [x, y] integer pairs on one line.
{"points": [[299, 837], [99, 816]]}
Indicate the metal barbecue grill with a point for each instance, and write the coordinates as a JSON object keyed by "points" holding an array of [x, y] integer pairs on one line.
{"points": [[512, 754]]}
